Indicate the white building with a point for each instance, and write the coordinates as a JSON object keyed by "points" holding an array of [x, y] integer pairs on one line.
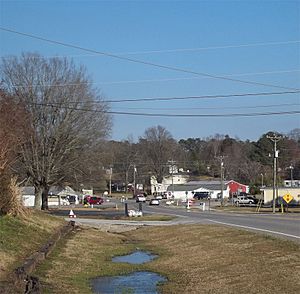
{"points": [[188, 189], [268, 194], [292, 183], [57, 195], [175, 179]]}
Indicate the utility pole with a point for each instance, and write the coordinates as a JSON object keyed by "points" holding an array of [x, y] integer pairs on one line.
{"points": [[291, 168], [110, 175], [134, 171], [172, 171], [221, 159], [262, 180], [275, 138]]}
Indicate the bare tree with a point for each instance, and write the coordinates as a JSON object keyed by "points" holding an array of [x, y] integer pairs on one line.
{"points": [[13, 130], [65, 119], [157, 148]]}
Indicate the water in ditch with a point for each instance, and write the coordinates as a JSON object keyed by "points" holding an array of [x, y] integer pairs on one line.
{"points": [[134, 283], [140, 282], [137, 257]]}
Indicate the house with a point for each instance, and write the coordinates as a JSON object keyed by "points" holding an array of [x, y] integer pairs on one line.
{"points": [[235, 188], [57, 194], [28, 196], [188, 189], [268, 194], [175, 179]]}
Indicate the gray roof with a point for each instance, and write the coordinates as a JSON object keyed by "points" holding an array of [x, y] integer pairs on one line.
{"points": [[54, 190], [195, 185], [29, 190]]}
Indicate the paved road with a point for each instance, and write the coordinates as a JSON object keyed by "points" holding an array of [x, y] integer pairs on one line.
{"points": [[284, 226]]}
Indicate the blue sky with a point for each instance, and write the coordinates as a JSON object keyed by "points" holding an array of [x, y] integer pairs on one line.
{"points": [[247, 40]]}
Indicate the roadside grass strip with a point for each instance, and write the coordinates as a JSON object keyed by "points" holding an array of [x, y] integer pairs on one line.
{"points": [[193, 258]]}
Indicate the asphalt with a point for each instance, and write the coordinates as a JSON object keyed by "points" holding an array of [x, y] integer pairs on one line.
{"points": [[286, 226]]}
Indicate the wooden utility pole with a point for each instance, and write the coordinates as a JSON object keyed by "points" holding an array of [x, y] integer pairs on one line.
{"points": [[221, 159], [275, 138]]}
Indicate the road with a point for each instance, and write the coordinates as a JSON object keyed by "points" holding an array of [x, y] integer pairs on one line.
{"points": [[286, 226], [280, 225]]}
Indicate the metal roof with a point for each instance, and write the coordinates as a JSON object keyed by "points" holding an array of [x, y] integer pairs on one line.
{"points": [[195, 185]]}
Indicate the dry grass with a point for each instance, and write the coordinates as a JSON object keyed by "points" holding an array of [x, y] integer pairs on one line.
{"points": [[20, 237], [10, 197], [214, 259], [84, 255], [195, 259]]}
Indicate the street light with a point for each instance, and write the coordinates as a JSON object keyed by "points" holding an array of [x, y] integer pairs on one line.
{"points": [[262, 180]]}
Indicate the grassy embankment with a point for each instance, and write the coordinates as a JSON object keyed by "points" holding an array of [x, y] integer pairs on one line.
{"points": [[19, 238], [195, 259]]}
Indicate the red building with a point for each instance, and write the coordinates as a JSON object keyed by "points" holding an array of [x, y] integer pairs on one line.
{"points": [[236, 188]]}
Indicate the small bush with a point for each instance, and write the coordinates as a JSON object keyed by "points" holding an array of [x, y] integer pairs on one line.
{"points": [[11, 197]]}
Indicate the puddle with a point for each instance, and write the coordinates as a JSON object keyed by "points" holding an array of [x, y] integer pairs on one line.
{"points": [[134, 283], [142, 282], [137, 257]]}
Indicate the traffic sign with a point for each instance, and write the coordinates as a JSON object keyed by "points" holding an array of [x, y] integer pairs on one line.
{"points": [[288, 198]]}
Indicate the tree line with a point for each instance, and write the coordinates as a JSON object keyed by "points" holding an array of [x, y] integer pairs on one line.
{"points": [[249, 162], [55, 128]]}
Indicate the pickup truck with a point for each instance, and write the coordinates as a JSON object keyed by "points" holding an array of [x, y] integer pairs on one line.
{"points": [[243, 200]]}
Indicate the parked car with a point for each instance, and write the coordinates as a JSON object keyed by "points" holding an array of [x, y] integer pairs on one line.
{"points": [[158, 197], [73, 199], [254, 199], [201, 195], [94, 200], [140, 198], [154, 202], [243, 200]]}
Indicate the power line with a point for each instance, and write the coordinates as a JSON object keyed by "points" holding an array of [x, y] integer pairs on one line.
{"points": [[204, 96], [169, 115], [154, 80], [207, 108], [141, 61], [209, 48], [184, 97], [186, 49]]}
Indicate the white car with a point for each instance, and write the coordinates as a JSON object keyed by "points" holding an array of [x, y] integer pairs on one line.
{"points": [[140, 198], [243, 200], [158, 197], [154, 202]]}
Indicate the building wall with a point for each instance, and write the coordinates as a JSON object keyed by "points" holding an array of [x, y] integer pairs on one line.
{"points": [[289, 183], [213, 193], [236, 188], [166, 182], [28, 200], [295, 192]]}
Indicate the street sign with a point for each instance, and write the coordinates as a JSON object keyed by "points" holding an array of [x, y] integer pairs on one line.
{"points": [[288, 198]]}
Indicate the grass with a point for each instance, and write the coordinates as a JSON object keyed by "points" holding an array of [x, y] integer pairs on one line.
{"points": [[194, 259], [21, 237]]}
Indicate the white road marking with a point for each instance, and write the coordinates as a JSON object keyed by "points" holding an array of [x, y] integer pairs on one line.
{"points": [[257, 229]]}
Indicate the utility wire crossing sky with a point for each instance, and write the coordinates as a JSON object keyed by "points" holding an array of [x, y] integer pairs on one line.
{"points": [[202, 40]]}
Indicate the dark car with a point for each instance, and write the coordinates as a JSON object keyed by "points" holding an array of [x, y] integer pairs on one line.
{"points": [[94, 200], [255, 200], [201, 195]]}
